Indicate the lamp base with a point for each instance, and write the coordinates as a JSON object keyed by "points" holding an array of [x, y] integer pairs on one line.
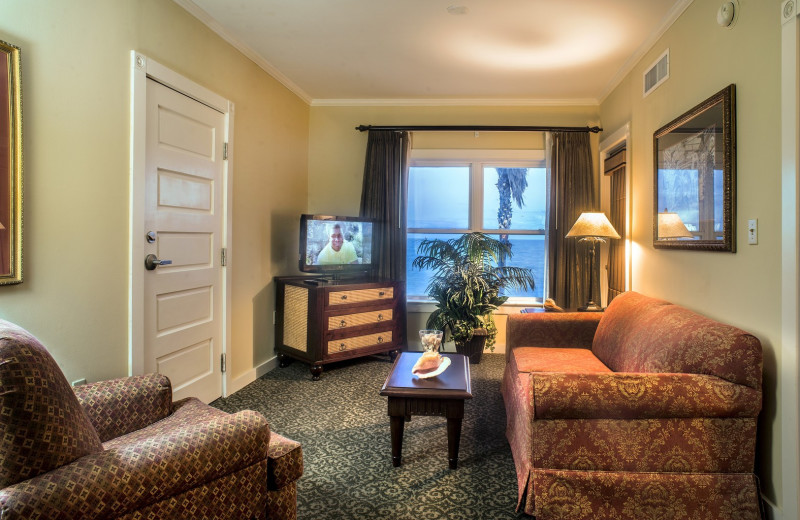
{"points": [[590, 306]]}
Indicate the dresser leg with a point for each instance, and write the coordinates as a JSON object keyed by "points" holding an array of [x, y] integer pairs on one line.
{"points": [[316, 372], [393, 354], [284, 360]]}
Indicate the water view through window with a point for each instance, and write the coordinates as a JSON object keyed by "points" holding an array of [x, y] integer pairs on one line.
{"points": [[439, 199]]}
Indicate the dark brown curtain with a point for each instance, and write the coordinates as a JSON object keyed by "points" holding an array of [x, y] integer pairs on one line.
{"points": [[384, 196], [616, 248], [572, 192]]}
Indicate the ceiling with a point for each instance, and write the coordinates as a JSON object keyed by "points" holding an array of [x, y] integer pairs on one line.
{"points": [[418, 51]]}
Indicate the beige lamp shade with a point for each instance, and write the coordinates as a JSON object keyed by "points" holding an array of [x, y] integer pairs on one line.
{"points": [[670, 225], [592, 225]]}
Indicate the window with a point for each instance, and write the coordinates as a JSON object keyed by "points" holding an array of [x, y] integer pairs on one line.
{"points": [[459, 191]]}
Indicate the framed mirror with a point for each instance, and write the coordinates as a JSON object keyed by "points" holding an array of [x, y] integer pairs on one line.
{"points": [[10, 166], [695, 177]]}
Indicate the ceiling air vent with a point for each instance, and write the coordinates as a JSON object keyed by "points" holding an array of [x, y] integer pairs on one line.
{"points": [[657, 73]]}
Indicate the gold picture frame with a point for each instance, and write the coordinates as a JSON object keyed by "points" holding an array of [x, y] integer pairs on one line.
{"points": [[695, 177], [10, 165]]}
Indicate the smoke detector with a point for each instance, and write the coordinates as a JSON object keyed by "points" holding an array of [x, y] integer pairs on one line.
{"points": [[728, 13]]}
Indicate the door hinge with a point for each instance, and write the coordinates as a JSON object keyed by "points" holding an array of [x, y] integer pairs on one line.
{"points": [[223, 363], [224, 151], [224, 256]]}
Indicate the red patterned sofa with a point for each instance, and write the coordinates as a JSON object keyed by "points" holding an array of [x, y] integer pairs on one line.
{"points": [[647, 410], [123, 449]]}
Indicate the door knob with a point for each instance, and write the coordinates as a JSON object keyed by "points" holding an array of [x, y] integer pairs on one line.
{"points": [[151, 262]]}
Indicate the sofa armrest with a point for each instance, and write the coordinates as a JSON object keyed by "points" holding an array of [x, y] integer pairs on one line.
{"points": [[551, 329], [118, 406], [640, 396], [179, 454]]}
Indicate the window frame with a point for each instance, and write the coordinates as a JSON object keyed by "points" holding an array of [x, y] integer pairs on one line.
{"points": [[476, 161]]}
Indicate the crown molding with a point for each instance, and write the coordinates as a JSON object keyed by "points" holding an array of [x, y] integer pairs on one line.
{"points": [[672, 16], [242, 47], [434, 102]]}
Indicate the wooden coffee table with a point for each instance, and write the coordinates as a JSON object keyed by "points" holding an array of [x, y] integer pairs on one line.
{"points": [[442, 395]]}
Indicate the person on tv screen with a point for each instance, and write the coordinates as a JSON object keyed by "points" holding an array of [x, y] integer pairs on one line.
{"points": [[338, 250]]}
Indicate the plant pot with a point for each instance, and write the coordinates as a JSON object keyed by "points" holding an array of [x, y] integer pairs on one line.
{"points": [[473, 348]]}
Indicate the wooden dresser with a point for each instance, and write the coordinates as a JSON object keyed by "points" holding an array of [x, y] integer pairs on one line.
{"points": [[321, 322]]}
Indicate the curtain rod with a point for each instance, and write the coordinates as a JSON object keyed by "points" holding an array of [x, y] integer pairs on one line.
{"points": [[479, 128]]}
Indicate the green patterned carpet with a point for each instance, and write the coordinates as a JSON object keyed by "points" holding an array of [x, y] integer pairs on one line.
{"points": [[342, 424]]}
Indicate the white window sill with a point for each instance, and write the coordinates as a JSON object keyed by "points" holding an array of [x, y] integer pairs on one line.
{"points": [[513, 307]]}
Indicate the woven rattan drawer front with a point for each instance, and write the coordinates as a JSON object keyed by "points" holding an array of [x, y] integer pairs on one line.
{"points": [[295, 318], [362, 318], [360, 296], [355, 343]]}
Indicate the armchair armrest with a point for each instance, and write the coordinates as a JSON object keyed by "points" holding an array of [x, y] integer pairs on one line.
{"points": [[640, 396], [194, 446], [551, 329], [119, 406]]}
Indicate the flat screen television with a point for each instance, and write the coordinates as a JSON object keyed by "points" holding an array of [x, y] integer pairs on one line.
{"points": [[335, 244]]}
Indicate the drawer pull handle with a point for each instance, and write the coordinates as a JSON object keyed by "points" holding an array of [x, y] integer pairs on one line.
{"points": [[342, 346], [344, 297], [380, 339], [380, 317], [382, 294], [342, 323]]}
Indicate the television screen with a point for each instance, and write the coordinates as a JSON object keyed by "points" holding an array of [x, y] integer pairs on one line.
{"points": [[331, 243]]}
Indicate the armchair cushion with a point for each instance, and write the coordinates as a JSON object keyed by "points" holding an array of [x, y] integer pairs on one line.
{"points": [[43, 425], [120, 406], [285, 461]]}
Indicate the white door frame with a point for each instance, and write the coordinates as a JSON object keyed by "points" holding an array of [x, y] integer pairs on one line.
{"points": [[789, 369], [142, 68], [621, 136]]}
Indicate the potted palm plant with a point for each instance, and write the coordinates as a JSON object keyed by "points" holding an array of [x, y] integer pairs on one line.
{"points": [[466, 286]]}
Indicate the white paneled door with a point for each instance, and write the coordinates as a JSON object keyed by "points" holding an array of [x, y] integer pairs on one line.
{"points": [[183, 278]]}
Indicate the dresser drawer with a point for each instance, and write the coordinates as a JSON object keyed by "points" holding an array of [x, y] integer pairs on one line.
{"points": [[345, 321], [358, 342], [360, 296]]}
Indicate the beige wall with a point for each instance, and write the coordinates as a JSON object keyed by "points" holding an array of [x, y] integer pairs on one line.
{"points": [[336, 149], [743, 288], [76, 96]]}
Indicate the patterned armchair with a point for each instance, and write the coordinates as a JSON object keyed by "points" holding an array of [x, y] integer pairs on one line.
{"points": [[123, 449], [645, 411]]}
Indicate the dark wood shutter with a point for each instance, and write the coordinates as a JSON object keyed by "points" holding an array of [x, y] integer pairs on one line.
{"points": [[615, 167]]}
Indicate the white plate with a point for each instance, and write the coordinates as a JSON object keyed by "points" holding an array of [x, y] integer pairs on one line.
{"points": [[442, 367]]}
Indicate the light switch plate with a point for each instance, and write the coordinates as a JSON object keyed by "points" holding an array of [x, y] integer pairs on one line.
{"points": [[752, 231]]}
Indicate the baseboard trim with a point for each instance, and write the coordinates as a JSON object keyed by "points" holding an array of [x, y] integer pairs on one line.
{"points": [[771, 511], [251, 375]]}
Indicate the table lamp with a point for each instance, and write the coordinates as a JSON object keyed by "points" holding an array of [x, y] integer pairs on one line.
{"points": [[592, 227], [671, 227]]}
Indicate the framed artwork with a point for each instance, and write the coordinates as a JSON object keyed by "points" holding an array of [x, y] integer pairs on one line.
{"points": [[695, 177], [10, 166]]}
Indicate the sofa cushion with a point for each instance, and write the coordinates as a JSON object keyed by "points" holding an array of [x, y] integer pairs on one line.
{"points": [[43, 427], [642, 334], [538, 359]]}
